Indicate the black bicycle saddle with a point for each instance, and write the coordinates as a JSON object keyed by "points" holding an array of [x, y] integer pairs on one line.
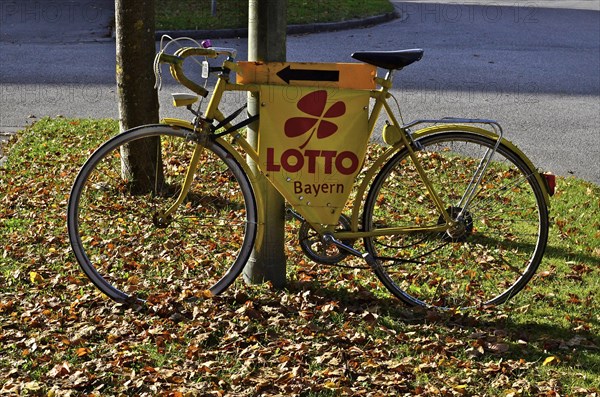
{"points": [[389, 59]]}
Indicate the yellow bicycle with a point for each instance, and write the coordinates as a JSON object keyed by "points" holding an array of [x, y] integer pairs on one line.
{"points": [[448, 213]]}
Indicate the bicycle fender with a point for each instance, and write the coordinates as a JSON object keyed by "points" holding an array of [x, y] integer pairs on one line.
{"points": [[488, 134], [177, 123]]}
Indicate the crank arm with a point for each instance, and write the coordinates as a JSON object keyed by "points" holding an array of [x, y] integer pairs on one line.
{"points": [[372, 262]]}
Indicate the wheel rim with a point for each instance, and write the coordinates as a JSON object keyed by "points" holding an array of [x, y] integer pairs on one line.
{"points": [[504, 230], [134, 255]]}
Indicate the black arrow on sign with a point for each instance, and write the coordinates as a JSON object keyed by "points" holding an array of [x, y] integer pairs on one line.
{"points": [[287, 74]]}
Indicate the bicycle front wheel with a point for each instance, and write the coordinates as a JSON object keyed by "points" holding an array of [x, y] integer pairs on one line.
{"points": [[134, 254], [499, 239]]}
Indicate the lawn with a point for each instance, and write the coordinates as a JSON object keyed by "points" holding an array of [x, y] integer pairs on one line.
{"points": [[330, 332], [197, 14]]}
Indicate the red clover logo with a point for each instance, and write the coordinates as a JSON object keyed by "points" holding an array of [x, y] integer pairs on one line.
{"points": [[313, 104]]}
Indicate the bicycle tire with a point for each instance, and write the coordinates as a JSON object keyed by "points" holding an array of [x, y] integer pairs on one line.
{"points": [[131, 255], [503, 235]]}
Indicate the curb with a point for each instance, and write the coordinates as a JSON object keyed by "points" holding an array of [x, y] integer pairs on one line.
{"points": [[291, 29], [5, 134]]}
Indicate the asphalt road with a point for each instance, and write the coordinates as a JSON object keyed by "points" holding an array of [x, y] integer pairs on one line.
{"points": [[533, 66]]}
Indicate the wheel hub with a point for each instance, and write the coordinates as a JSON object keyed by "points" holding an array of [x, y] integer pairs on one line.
{"points": [[462, 226], [160, 220]]}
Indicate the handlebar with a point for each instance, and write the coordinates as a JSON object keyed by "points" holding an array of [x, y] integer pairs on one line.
{"points": [[176, 60]]}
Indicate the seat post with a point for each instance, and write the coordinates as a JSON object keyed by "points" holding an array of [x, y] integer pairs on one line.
{"points": [[386, 82], [389, 75]]}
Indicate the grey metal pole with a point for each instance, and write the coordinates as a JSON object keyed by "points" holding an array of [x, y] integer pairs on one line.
{"points": [[267, 23]]}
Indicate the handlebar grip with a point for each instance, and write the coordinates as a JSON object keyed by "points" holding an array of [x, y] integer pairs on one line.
{"points": [[177, 73], [176, 66]]}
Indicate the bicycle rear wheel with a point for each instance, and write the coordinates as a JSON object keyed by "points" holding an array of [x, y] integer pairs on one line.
{"points": [[500, 238], [123, 245]]}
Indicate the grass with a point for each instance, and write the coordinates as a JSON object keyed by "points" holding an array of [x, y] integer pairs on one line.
{"points": [[331, 332], [196, 14]]}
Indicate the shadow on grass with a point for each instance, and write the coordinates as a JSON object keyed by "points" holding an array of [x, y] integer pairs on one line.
{"points": [[560, 253], [527, 340], [521, 337]]}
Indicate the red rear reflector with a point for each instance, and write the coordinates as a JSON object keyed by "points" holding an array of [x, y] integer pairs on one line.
{"points": [[550, 182]]}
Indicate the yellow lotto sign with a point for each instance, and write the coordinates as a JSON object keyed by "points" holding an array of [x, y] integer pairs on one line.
{"points": [[311, 145]]}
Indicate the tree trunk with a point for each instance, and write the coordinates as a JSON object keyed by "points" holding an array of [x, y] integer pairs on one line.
{"points": [[267, 24], [138, 100]]}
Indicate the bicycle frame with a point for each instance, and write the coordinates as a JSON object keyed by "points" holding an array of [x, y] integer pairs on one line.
{"points": [[406, 140], [451, 214]]}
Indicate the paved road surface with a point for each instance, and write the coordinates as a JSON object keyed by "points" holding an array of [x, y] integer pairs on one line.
{"points": [[533, 66]]}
